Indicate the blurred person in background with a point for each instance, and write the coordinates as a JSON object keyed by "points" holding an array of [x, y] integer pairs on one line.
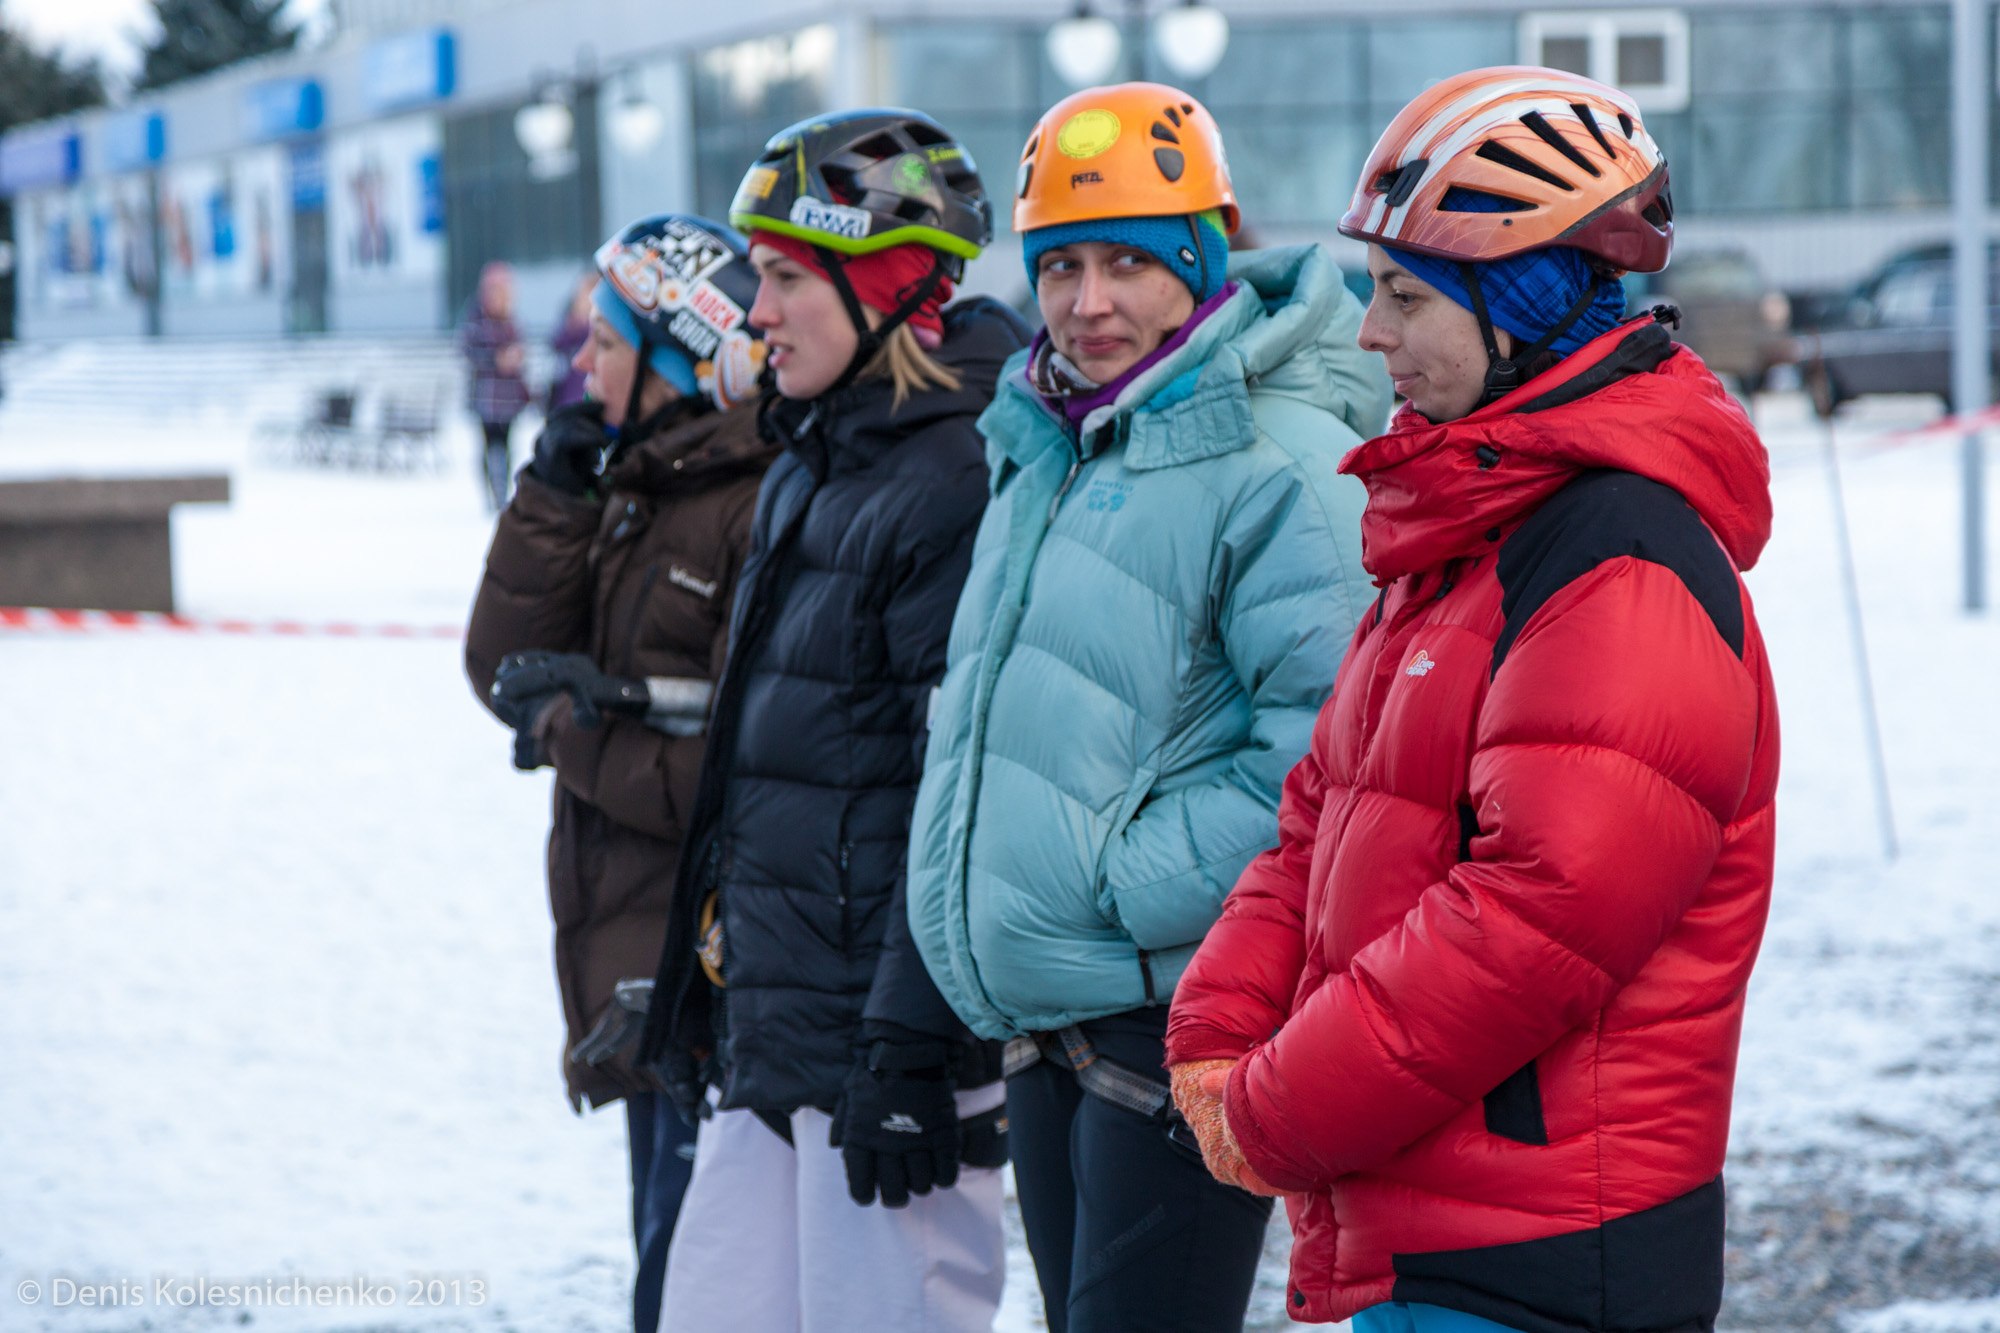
{"points": [[841, 1078], [1163, 582], [491, 343], [597, 634], [1476, 1016], [571, 332]]}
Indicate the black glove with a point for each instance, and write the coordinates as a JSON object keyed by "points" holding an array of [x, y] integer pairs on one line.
{"points": [[678, 1072], [525, 682], [569, 453], [897, 1124]]}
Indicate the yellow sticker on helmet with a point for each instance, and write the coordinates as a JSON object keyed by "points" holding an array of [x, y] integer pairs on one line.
{"points": [[1088, 133], [759, 182]]}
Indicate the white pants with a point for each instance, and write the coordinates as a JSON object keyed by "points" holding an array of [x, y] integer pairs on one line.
{"points": [[769, 1240]]}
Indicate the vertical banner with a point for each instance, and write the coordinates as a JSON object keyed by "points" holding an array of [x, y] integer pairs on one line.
{"points": [[74, 249], [224, 226], [137, 261], [385, 203]]}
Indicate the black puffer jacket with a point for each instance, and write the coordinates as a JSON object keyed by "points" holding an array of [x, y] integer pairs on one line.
{"points": [[862, 538]]}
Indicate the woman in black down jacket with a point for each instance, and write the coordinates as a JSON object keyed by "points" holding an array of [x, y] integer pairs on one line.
{"points": [[827, 1081]]}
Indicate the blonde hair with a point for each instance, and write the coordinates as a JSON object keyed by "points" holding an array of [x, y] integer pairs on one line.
{"points": [[912, 369]]}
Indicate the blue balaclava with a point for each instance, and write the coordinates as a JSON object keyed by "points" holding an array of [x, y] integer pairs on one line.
{"points": [[668, 363], [1528, 295], [1525, 294], [1193, 246]]}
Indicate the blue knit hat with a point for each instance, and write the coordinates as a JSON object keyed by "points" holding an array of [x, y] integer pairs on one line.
{"points": [[666, 362], [1192, 246]]}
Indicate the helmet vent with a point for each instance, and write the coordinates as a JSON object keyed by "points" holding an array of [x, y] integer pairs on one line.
{"points": [[1584, 114], [1034, 146], [1555, 139], [1661, 211], [1504, 156], [925, 136], [1188, 108], [1458, 199], [1162, 132], [877, 146], [1170, 161], [840, 183], [1625, 124], [1173, 115]]}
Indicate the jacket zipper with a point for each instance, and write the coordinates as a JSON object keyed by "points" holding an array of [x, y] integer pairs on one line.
{"points": [[1076, 466], [631, 658], [846, 926]]}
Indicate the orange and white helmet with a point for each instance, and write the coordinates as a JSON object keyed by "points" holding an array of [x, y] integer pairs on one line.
{"points": [[1559, 160]]}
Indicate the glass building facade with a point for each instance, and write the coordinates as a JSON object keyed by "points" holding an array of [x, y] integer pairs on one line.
{"points": [[1855, 116]]}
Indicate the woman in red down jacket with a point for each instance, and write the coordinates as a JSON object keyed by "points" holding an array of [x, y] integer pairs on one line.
{"points": [[1476, 1016]]}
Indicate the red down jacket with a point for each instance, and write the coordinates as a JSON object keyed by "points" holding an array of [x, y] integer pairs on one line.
{"points": [[1490, 982]]}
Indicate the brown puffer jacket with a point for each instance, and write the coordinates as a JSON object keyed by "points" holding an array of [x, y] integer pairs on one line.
{"points": [[641, 581]]}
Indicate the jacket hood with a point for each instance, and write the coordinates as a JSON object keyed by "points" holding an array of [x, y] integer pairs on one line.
{"points": [[979, 335], [692, 447], [1632, 400], [1288, 328]]}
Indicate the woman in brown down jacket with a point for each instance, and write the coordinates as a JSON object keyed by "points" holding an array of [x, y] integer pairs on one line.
{"points": [[599, 626]]}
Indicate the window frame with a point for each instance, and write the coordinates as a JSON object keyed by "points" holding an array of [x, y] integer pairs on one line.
{"points": [[1602, 30]]}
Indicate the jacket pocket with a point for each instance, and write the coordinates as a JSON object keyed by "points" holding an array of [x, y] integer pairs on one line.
{"points": [[1121, 819], [1514, 1109]]}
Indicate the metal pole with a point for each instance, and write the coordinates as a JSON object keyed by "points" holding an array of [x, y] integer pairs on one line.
{"points": [[1885, 814], [1971, 364]]}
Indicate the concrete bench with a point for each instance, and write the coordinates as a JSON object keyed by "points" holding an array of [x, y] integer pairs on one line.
{"points": [[94, 543]]}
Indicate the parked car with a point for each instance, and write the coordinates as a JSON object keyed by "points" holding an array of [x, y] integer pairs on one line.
{"points": [[1893, 333], [1732, 317]]}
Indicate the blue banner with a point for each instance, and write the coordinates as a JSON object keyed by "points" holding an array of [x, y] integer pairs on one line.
{"points": [[283, 107], [308, 177], [409, 70], [430, 187], [36, 159], [132, 142]]}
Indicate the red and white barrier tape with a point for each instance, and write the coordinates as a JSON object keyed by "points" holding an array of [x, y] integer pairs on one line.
{"points": [[1957, 425], [47, 620]]}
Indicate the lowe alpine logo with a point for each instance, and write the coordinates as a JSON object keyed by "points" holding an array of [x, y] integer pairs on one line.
{"points": [[681, 578], [1420, 665], [902, 1123]]}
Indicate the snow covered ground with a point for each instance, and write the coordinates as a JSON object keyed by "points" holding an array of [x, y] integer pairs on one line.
{"points": [[275, 1001]]}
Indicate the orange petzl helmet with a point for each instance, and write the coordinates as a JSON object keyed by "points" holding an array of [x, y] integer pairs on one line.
{"points": [[1563, 159], [1132, 150]]}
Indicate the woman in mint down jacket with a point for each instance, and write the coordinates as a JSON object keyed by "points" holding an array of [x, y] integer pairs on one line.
{"points": [[1159, 595]]}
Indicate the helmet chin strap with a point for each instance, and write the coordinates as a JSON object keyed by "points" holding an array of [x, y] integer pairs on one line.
{"points": [[871, 340], [631, 428], [1505, 374]]}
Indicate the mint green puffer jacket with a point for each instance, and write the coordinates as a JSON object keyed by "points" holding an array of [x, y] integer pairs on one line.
{"points": [[1151, 624]]}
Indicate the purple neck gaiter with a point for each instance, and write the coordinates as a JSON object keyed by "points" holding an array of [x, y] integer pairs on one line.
{"points": [[1077, 398]]}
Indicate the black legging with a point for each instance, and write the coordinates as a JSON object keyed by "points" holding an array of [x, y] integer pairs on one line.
{"points": [[1127, 1228]]}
